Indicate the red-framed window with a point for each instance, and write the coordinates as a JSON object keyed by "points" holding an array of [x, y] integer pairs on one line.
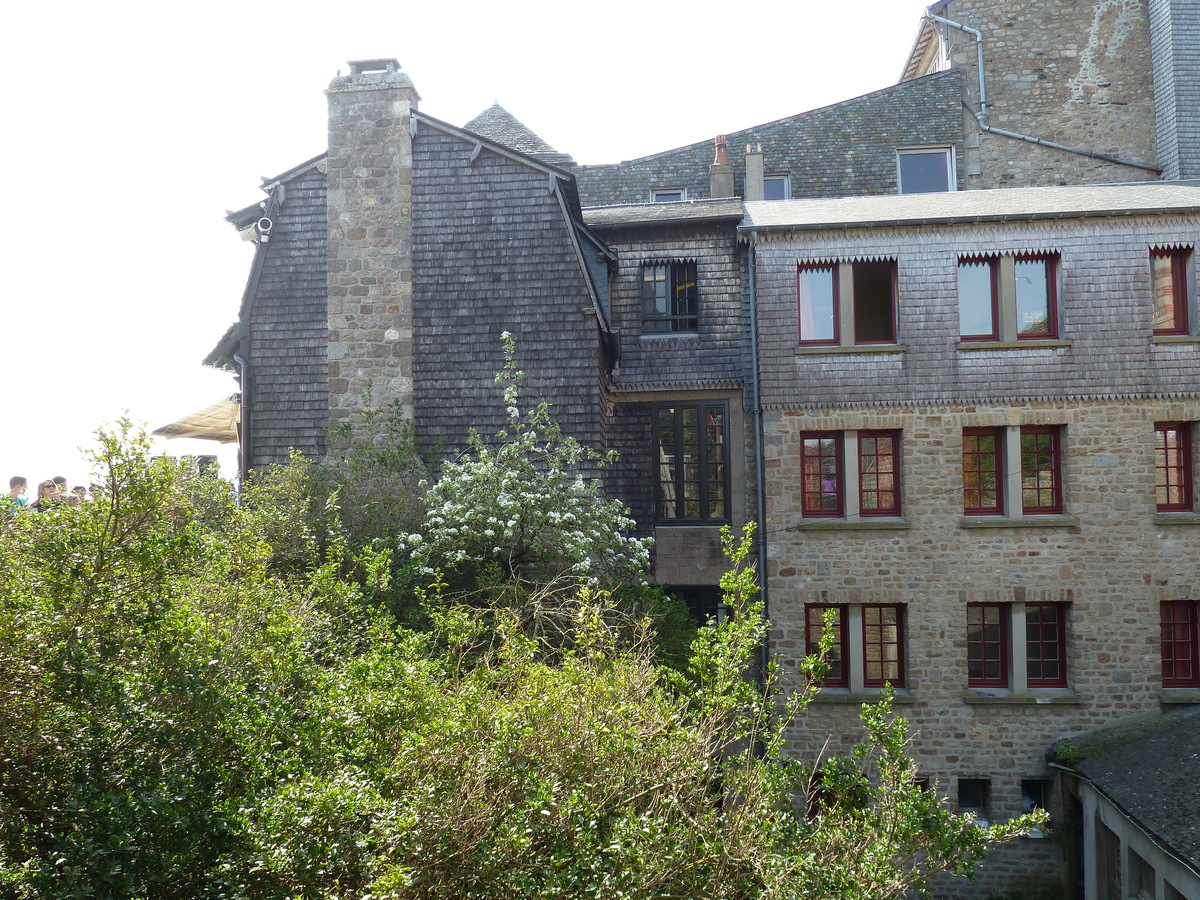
{"points": [[883, 645], [874, 301], [1041, 469], [1169, 274], [1180, 643], [983, 471], [879, 473], [822, 474], [1046, 644], [1036, 296], [814, 628], [817, 289], [979, 298], [987, 645], [1173, 466]]}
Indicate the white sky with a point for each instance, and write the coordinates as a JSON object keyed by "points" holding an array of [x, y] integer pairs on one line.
{"points": [[131, 126]]}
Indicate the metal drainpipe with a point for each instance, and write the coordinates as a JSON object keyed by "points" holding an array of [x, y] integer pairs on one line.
{"points": [[756, 412], [982, 115]]}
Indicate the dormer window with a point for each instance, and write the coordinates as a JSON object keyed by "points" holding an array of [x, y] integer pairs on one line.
{"points": [[668, 195], [777, 187], [925, 170]]}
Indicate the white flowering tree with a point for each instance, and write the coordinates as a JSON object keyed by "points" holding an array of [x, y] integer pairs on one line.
{"points": [[525, 507]]}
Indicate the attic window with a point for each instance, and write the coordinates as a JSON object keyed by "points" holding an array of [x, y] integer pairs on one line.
{"points": [[777, 187], [925, 170], [668, 195]]}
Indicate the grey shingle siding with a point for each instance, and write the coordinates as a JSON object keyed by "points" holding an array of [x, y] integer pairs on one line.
{"points": [[493, 252], [1175, 47], [841, 150], [289, 331], [1105, 303]]}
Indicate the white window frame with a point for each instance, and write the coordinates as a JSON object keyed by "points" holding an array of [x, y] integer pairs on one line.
{"points": [[951, 165], [786, 180], [655, 192]]}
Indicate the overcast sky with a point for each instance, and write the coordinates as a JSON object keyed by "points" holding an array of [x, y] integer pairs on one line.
{"points": [[131, 127]]}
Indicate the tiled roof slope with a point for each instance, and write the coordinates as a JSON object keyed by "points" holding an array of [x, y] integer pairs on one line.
{"points": [[497, 124], [842, 150], [1153, 778], [689, 211]]}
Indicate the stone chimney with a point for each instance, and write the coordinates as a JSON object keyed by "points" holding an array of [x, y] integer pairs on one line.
{"points": [[370, 254], [754, 173], [720, 173]]}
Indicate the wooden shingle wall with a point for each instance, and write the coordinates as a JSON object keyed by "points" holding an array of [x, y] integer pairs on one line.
{"points": [[493, 252], [1104, 298], [289, 331]]}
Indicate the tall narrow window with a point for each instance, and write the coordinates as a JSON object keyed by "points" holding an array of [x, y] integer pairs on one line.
{"points": [[1041, 470], [693, 480], [879, 473], [821, 472], [1180, 643], [978, 299], [837, 675], [883, 646], [1173, 466], [669, 301], [875, 302], [1037, 315], [983, 471], [818, 289], [987, 645], [1045, 644], [1169, 269]]}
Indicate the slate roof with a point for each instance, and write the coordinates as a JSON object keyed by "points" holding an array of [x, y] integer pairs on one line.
{"points": [[690, 211], [497, 124], [1152, 776], [972, 206]]}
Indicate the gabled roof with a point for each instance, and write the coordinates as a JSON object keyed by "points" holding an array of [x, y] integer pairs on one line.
{"points": [[497, 124], [973, 206], [924, 52]]}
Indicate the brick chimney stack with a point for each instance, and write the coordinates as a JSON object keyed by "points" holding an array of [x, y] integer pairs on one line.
{"points": [[370, 237], [720, 173]]}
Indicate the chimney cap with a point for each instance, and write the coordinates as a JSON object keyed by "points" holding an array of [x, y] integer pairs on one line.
{"points": [[373, 66]]}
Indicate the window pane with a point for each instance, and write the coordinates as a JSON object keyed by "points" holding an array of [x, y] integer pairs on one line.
{"points": [[987, 645], [1040, 486], [775, 187], [815, 628], [976, 299], [1170, 292], [878, 478], [923, 173], [1035, 309], [1180, 644], [818, 305], [882, 645], [692, 451], [1173, 467], [874, 310], [983, 490], [821, 468], [1044, 644]]}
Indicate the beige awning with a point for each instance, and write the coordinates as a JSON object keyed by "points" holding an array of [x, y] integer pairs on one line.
{"points": [[218, 422]]}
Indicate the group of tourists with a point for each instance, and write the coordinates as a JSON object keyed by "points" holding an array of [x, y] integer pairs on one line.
{"points": [[50, 492]]}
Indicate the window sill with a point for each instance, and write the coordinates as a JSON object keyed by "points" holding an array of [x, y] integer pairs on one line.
{"points": [[900, 696], [1005, 697], [1050, 344], [660, 335], [1175, 339], [870, 524], [691, 523], [823, 349], [1179, 518], [1023, 522], [1171, 696]]}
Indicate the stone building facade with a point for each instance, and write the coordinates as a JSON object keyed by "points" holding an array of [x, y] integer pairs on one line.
{"points": [[1090, 577]]}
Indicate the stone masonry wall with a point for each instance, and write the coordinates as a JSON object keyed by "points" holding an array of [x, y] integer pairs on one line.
{"points": [[1111, 560], [370, 238], [1078, 74]]}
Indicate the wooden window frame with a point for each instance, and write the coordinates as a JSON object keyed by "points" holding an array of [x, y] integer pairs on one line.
{"points": [[814, 625], [817, 510], [861, 642], [1179, 634], [1173, 478], [1051, 272], [878, 639], [977, 649], [850, 320], [993, 264], [1180, 295], [969, 453], [1039, 472], [893, 460], [682, 296], [832, 269], [708, 467], [1052, 633]]}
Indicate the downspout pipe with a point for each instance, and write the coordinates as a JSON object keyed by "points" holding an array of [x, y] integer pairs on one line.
{"points": [[760, 488], [981, 115]]}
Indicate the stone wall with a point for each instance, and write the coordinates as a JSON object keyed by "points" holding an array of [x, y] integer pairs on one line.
{"points": [[1111, 559], [370, 237], [1078, 74]]}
